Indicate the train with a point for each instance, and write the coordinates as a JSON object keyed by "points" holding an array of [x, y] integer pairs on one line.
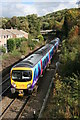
{"points": [[25, 74]]}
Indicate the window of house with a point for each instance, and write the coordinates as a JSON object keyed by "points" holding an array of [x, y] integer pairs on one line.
{"points": [[4, 36], [7, 36]]}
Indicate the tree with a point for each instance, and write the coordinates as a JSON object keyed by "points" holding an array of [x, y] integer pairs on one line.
{"points": [[3, 49], [13, 22], [34, 25], [45, 25], [11, 45], [40, 37], [65, 26], [24, 26]]}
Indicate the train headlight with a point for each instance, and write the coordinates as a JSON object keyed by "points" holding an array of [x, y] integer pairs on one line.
{"points": [[14, 85], [28, 85]]}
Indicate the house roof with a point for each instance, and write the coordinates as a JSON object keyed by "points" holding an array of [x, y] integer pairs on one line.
{"points": [[15, 31], [11, 31], [23, 32], [4, 32]]}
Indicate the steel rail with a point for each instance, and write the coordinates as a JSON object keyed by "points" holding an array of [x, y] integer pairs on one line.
{"points": [[6, 108], [4, 80], [5, 90]]}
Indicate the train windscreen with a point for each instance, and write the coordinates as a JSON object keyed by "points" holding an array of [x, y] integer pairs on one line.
{"points": [[21, 75]]}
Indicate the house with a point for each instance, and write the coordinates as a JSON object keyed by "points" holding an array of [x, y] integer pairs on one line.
{"points": [[11, 33], [24, 33], [18, 33], [4, 35]]}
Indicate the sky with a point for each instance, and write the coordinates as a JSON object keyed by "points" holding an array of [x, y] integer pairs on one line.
{"points": [[10, 8]]}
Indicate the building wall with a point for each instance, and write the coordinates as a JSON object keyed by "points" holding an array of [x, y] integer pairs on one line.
{"points": [[3, 39], [26, 35]]}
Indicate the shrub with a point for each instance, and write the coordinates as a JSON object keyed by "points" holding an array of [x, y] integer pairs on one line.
{"points": [[18, 42], [23, 39], [24, 48], [11, 45], [3, 49], [16, 53], [31, 44], [14, 43], [40, 37]]}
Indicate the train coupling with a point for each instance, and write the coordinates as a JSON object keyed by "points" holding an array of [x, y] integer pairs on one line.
{"points": [[21, 93]]}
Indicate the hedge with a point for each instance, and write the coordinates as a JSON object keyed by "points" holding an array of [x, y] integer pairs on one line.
{"points": [[11, 45], [14, 43]]}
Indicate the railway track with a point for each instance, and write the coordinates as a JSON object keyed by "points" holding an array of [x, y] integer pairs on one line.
{"points": [[6, 108], [5, 85], [14, 109]]}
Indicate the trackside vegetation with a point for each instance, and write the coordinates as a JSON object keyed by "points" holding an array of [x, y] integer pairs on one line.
{"points": [[64, 100], [14, 43], [18, 47]]}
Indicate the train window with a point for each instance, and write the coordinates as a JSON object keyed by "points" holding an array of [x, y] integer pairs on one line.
{"points": [[27, 75], [52, 51], [43, 65], [47, 59], [55, 47], [21, 75], [50, 55], [16, 75]]}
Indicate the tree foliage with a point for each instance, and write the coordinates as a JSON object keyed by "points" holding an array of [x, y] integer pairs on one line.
{"points": [[11, 45]]}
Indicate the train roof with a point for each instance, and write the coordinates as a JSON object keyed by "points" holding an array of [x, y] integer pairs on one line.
{"points": [[44, 49], [33, 59], [29, 61], [54, 41]]}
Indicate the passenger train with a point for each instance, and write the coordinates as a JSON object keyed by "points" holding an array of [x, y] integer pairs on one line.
{"points": [[26, 73]]}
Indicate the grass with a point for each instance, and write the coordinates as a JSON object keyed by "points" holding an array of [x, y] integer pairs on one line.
{"points": [[16, 53]]}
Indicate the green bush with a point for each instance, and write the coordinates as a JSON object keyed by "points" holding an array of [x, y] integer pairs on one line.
{"points": [[14, 43], [11, 45], [70, 57], [40, 37], [24, 47], [18, 42], [16, 53], [31, 44], [23, 39], [3, 49]]}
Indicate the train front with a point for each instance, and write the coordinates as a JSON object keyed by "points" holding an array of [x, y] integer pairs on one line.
{"points": [[21, 79]]}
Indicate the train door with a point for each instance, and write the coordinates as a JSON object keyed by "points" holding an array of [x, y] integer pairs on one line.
{"points": [[35, 74], [49, 56], [39, 70], [41, 67]]}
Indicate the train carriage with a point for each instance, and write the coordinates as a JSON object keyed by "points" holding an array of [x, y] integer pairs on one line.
{"points": [[25, 74]]}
